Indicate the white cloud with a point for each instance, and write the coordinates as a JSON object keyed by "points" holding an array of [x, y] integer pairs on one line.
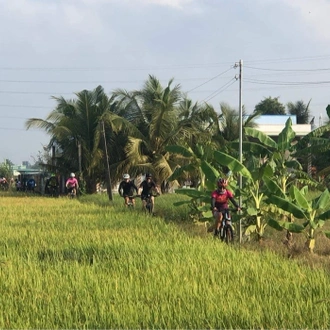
{"points": [[179, 4], [56, 15], [315, 14]]}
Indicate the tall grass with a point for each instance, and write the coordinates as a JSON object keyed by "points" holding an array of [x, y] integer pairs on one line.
{"points": [[93, 264]]}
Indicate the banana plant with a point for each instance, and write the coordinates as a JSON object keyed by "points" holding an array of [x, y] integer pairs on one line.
{"points": [[313, 211], [280, 155], [252, 187], [253, 191], [200, 199], [191, 161]]}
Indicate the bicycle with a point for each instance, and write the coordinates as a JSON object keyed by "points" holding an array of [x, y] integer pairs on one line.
{"points": [[149, 208], [72, 193], [53, 191], [130, 203], [4, 186], [226, 233]]}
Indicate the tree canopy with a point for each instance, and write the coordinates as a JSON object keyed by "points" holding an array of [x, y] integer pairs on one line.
{"points": [[270, 106]]}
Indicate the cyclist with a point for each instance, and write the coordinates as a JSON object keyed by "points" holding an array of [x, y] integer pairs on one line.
{"points": [[52, 185], [219, 203], [146, 189], [4, 183], [126, 189], [30, 185], [72, 184]]}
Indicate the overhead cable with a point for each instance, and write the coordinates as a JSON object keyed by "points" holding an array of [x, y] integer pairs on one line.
{"points": [[287, 70], [218, 75], [221, 89]]}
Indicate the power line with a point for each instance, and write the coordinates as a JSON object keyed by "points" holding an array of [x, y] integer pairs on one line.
{"points": [[288, 70], [41, 93], [164, 66], [18, 129], [117, 68], [95, 82], [220, 74], [286, 83], [221, 89], [23, 106], [10, 117], [290, 59]]}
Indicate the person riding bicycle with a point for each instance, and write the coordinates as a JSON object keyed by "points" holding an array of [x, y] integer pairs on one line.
{"points": [[219, 203], [126, 189], [146, 189], [72, 184], [4, 183], [31, 184], [52, 185]]}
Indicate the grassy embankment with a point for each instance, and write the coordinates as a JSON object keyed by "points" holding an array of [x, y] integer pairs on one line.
{"points": [[88, 264]]}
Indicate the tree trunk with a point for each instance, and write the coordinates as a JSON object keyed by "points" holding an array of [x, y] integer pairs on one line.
{"points": [[289, 234], [310, 244], [90, 186], [164, 187]]}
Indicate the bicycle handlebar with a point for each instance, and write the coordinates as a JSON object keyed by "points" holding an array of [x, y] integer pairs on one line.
{"points": [[229, 209]]}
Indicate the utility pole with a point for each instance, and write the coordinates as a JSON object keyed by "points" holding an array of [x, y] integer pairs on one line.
{"points": [[109, 187], [240, 139], [53, 158], [79, 157]]}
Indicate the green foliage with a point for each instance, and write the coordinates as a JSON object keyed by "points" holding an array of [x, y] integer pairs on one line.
{"points": [[74, 129], [314, 211], [262, 137], [286, 137], [6, 169], [270, 106], [301, 110], [233, 164], [167, 123], [195, 164]]}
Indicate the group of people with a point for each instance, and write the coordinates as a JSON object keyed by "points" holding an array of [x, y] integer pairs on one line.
{"points": [[52, 185], [219, 198], [26, 185], [146, 190], [128, 190]]}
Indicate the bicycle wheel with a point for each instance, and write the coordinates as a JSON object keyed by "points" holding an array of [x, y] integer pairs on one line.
{"points": [[149, 206], [229, 234]]}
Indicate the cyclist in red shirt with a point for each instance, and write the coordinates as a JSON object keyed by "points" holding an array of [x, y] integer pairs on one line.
{"points": [[219, 203]]}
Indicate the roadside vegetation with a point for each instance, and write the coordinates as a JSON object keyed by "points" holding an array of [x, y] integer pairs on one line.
{"points": [[88, 263]]}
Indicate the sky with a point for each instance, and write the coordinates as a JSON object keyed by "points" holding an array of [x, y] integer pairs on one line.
{"points": [[60, 47]]}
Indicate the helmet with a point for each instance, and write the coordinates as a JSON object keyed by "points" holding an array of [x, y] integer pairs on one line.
{"points": [[148, 175], [222, 183], [72, 175], [126, 176]]}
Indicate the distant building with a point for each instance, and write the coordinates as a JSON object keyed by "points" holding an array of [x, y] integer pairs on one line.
{"points": [[26, 163], [272, 125], [23, 173]]}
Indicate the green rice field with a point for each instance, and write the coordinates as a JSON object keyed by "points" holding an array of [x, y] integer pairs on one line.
{"points": [[93, 264]]}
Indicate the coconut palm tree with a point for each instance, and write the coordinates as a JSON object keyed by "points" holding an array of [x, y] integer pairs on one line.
{"points": [[154, 112], [73, 126], [301, 110]]}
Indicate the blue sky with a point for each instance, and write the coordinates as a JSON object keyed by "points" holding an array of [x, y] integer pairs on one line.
{"points": [[56, 48]]}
